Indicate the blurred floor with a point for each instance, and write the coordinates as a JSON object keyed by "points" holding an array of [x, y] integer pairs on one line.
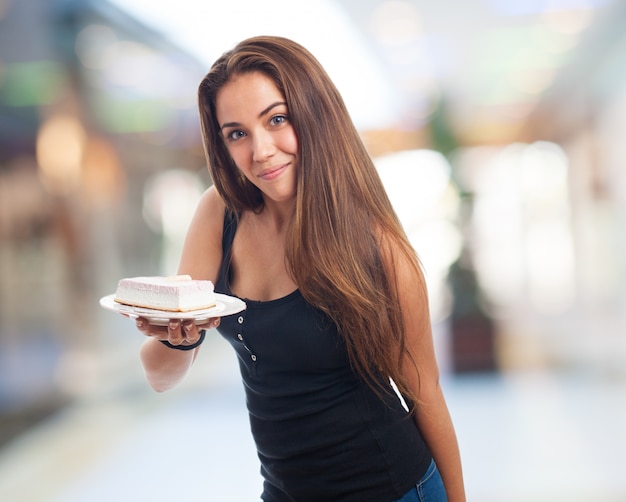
{"points": [[526, 436]]}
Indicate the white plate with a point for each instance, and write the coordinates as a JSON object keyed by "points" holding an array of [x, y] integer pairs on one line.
{"points": [[224, 305]]}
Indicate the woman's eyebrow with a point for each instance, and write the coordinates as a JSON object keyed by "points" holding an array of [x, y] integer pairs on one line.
{"points": [[229, 124], [262, 114], [270, 107]]}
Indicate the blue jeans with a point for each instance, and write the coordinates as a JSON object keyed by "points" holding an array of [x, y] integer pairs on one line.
{"points": [[429, 489]]}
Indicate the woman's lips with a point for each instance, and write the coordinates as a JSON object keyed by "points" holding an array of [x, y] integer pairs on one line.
{"points": [[272, 172]]}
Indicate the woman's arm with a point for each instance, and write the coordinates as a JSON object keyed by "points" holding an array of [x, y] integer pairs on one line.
{"points": [[165, 367], [421, 372]]}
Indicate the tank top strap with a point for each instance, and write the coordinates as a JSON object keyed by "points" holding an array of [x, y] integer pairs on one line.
{"points": [[228, 236]]}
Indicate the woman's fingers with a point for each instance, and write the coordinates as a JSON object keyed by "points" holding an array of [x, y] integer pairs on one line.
{"points": [[142, 325], [147, 329], [214, 322], [211, 323], [191, 332], [174, 332], [177, 331]]}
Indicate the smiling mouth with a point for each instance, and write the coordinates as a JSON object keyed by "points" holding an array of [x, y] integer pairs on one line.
{"points": [[272, 172]]}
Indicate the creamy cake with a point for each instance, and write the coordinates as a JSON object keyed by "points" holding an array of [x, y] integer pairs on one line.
{"points": [[174, 294]]}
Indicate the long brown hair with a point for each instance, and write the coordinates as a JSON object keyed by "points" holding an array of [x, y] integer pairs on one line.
{"points": [[343, 220]]}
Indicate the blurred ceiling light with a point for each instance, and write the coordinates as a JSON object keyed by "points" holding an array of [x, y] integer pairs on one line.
{"points": [[550, 261], [396, 22], [169, 201], [415, 181], [96, 46], [60, 144], [544, 169]]}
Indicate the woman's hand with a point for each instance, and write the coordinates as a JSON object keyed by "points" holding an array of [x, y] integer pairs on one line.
{"points": [[178, 331]]}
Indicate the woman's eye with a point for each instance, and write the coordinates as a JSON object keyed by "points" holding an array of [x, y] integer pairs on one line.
{"points": [[278, 119], [235, 135]]}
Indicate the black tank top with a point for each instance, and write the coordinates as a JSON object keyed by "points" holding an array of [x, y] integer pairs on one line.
{"points": [[321, 433]]}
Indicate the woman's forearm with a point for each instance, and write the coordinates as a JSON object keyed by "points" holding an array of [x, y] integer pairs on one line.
{"points": [[433, 419], [164, 367]]}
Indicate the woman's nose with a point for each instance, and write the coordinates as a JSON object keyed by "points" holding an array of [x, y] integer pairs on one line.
{"points": [[263, 146]]}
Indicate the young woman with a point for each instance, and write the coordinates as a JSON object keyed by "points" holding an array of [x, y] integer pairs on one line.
{"points": [[299, 226]]}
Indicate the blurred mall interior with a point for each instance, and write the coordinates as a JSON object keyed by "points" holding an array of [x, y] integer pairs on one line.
{"points": [[497, 129]]}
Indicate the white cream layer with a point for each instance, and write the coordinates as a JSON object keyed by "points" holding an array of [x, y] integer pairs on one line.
{"points": [[176, 294]]}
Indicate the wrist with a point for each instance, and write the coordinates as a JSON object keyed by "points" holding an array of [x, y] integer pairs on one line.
{"points": [[186, 347]]}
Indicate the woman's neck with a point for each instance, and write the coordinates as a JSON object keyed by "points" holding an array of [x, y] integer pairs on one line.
{"points": [[277, 214]]}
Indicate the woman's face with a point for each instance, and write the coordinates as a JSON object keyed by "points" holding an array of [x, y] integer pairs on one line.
{"points": [[254, 121]]}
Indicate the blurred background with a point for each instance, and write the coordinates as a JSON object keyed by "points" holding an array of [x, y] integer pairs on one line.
{"points": [[497, 127]]}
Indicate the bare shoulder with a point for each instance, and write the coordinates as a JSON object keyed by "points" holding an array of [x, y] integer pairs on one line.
{"points": [[202, 251], [407, 275], [211, 209], [400, 258]]}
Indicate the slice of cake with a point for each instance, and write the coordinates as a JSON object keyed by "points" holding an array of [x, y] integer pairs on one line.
{"points": [[174, 294]]}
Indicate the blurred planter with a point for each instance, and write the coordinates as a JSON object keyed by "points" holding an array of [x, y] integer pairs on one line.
{"points": [[472, 331], [473, 344]]}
